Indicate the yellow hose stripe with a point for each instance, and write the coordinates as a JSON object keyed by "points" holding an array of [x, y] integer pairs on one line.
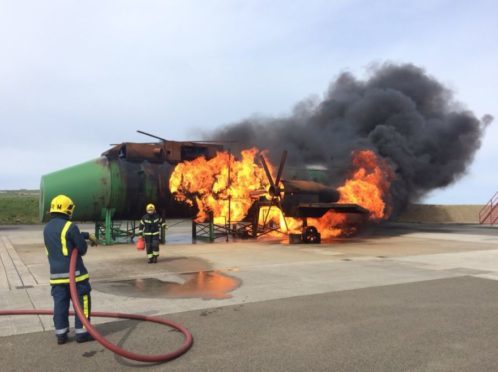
{"points": [[63, 238]]}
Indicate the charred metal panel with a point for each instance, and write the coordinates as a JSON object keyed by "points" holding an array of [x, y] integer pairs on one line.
{"points": [[137, 152], [167, 151], [181, 151], [298, 192], [319, 209], [148, 183], [142, 151], [311, 192]]}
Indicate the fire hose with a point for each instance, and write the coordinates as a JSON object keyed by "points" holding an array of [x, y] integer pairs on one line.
{"points": [[187, 342]]}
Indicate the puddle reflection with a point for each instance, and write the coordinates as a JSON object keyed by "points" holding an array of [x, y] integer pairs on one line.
{"points": [[202, 284]]}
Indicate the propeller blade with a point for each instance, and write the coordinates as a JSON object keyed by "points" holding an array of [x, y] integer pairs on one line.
{"points": [[267, 171], [282, 210], [267, 214], [281, 167], [257, 193]]}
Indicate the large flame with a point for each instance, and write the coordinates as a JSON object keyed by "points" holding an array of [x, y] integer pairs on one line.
{"points": [[225, 187], [368, 187], [221, 185], [369, 184]]}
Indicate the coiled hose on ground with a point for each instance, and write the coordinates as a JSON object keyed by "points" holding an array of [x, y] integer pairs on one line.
{"points": [[187, 342]]}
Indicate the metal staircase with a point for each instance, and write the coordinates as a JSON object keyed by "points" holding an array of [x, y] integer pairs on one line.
{"points": [[489, 213]]}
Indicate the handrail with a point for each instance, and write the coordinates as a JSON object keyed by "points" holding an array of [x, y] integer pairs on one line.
{"points": [[495, 219], [486, 213]]}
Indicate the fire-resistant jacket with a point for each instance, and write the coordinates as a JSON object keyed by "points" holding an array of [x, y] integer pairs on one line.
{"points": [[150, 225], [61, 237]]}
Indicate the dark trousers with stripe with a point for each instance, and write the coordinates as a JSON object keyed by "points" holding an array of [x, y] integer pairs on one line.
{"points": [[62, 297], [152, 245]]}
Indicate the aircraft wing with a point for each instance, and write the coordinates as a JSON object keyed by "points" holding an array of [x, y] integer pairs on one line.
{"points": [[319, 209]]}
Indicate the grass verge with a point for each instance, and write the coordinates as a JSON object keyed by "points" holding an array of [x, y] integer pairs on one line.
{"points": [[19, 207]]}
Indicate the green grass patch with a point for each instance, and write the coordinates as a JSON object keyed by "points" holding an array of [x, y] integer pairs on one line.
{"points": [[19, 207]]}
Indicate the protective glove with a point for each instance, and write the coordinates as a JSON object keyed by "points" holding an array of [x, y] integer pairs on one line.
{"points": [[93, 240]]}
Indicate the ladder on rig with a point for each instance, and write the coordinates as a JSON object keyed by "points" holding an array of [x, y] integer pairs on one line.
{"points": [[489, 213]]}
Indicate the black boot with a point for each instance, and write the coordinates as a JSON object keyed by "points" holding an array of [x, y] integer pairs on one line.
{"points": [[84, 337], [151, 260], [154, 259], [62, 339]]}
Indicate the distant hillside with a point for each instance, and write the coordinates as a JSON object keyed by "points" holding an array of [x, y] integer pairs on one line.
{"points": [[18, 207]]}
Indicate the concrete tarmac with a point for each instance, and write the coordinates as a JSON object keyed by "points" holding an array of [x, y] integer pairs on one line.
{"points": [[400, 297]]}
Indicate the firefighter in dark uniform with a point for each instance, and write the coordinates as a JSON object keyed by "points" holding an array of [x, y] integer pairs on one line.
{"points": [[149, 228], [61, 237]]}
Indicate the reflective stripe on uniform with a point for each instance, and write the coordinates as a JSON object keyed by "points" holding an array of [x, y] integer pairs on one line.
{"points": [[147, 221], [85, 306], [152, 233], [63, 238], [150, 255], [79, 331], [61, 331], [155, 253], [66, 280], [63, 275]]}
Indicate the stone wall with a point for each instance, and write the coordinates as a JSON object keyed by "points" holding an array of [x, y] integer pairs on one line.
{"points": [[428, 213]]}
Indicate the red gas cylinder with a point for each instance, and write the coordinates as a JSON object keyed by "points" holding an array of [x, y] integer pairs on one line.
{"points": [[140, 243]]}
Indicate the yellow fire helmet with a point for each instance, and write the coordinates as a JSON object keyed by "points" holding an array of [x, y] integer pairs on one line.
{"points": [[62, 204], [150, 208]]}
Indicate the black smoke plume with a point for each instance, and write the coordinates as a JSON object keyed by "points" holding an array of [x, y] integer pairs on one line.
{"points": [[400, 112]]}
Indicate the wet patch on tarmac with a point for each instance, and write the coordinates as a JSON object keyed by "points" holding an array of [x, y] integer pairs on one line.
{"points": [[208, 285], [89, 354], [179, 238]]}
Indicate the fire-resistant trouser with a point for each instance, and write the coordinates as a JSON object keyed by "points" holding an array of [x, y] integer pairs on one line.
{"points": [[152, 245], [62, 297]]}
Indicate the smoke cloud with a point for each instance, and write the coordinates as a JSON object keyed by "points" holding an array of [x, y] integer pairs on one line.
{"points": [[403, 114]]}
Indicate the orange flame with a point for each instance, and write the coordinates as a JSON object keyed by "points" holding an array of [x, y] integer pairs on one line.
{"points": [[369, 184], [215, 184], [368, 187], [206, 182]]}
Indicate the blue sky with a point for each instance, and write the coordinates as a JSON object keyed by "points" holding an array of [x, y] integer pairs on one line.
{"points": [[76, 76]]}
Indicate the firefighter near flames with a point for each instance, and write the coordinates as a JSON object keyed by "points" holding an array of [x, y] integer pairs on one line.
{"points": [[61, 237], [150, 229], [69, 280]]}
